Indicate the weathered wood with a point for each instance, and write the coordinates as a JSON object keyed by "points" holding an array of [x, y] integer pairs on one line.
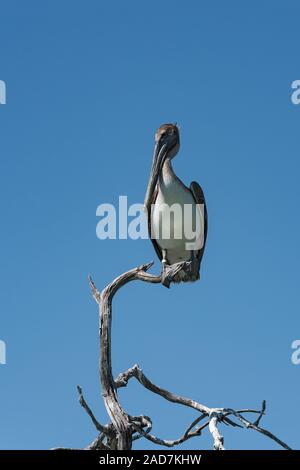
{"points": [[213, 427], [119, 417], [124, 429]]}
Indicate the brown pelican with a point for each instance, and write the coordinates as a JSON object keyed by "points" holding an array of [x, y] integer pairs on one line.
{"points": [[173, 210]]}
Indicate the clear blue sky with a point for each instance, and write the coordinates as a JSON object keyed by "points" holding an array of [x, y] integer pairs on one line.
{"points": [[88, 83]]}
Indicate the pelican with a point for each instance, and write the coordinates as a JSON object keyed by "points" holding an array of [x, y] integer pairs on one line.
{"points": [[173, 211]]}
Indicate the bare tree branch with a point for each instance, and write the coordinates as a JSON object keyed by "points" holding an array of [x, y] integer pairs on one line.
{"points": [[136, 372], [124, 429], [116, 413], [167, 442], [247, 424], [106, 430], [218, 438]]}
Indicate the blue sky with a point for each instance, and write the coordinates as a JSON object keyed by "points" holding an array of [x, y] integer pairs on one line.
{"points": [[88, 83]]}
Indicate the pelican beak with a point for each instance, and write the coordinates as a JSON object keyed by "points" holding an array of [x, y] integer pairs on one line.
{"points": [[159, 156]]}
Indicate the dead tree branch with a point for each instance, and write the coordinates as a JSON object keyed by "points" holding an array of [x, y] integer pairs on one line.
{"points": [[124, 429]]}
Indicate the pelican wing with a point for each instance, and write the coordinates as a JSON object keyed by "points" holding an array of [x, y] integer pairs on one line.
{"points": [[153, 240], [198, 195]]}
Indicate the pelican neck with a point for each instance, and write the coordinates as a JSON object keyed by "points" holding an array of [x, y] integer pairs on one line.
{"points": [[167, 174]]}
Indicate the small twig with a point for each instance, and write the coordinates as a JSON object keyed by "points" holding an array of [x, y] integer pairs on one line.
{"points": [[263, 409], [196, 421], [106, 430], [95, 293]]}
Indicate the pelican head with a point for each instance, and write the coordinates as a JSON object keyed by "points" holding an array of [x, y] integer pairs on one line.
{"points": [[167, 144]]}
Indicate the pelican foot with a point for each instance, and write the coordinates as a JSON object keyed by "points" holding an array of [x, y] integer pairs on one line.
{"points": [[170, 272]]}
